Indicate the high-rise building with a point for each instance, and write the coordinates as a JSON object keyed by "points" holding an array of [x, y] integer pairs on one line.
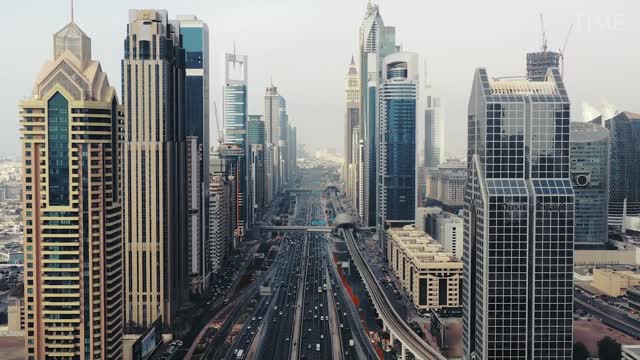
{"points": [[154, 168], [195, 41], [445, 227], [220, 227], [445, 185], [590, 177], [275, 120], [235, 96], [352, 119], [624, 171], [71, 128], [433, 132], [376, 42], [539, 62], [519, 212], [257, 161], [255, 129], [397, 140], [235, 158]]}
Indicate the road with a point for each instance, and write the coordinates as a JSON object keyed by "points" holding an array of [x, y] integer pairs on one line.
{"points": [[609, 314]]}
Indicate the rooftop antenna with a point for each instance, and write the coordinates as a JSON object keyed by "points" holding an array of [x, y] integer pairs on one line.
{"points": [[234, 54], [564, 47], [72, 11], [544, 35]]}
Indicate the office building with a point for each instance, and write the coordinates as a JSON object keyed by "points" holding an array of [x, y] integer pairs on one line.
{"points": [[614, 281], [518, 232], [433, 132], [195, 41], [446, 228], [397, 145], [70, 132], [257, 161], [590, 177], [235, 169], [218, 221], [376, 42], [255, 129], [351, 122], [431, 276], [235, 96], [275, 119], [624, 170], [445, 186], [154, 168]]}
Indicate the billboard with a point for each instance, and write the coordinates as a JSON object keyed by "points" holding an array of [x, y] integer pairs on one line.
{"points": [[149, 341]]}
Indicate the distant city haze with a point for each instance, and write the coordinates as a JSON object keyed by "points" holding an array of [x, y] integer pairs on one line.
{"points": [[305, 46]]}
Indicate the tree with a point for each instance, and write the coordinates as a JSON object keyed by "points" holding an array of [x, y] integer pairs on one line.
{"points": [[580, 351], [609, 349]]}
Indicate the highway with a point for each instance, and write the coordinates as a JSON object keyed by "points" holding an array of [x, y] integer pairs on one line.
{"points": [[609, 314], [391, 319]]}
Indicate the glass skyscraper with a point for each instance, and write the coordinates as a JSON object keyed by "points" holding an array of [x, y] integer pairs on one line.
{"points": [[235, 99], [590, 177], [397, 140], [624, 169], [195, 41], [519, 214]]}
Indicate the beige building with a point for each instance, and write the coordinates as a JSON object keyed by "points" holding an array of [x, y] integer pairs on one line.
{"points": [[614, 281], [153, 169], [431, 276], [15, 311], [70, 128]]}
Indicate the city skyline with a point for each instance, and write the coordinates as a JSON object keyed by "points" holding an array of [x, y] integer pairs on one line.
{"points": [[605, 25]]}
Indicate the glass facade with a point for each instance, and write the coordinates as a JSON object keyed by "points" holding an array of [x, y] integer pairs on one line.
{"points": [[590, 178], [193, 42], [255, 130], [624, 170], [235, 114], [519, 221], [58, 136]]}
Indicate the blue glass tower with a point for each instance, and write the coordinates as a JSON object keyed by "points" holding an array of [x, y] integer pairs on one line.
{"points": [[235, 99], [195, 41], [397, 140]]}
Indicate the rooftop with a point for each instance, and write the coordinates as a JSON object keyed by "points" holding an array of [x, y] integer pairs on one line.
{"points": [[422, 248]]}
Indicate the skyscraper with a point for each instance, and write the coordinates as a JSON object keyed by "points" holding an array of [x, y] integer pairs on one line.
{"points": [[235, 148], [235, 96], [624, 172], [154, 167], [351, 123], [275, 120], [195, 40], [397, 140], [257, 172], [220, 227], [376, 42], [518, 231], [590, 177], [71, 128], [433, 132]]}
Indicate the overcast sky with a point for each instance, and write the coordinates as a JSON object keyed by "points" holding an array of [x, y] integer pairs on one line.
{"points": [[305, 47]]}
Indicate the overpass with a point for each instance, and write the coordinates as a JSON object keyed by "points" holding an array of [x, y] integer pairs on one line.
{"points": [[296, 228], [392, 322]]}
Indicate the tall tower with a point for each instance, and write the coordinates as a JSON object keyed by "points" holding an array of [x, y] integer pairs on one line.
{"points": [[590, 177], [154, 167], [195, 39], [275, 120], [376, 42], [397, 141], [71, 128], [352, 119], [518, 226]]}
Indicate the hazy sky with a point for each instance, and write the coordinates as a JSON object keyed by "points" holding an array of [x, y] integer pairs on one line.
{"points": [[305, 46]]}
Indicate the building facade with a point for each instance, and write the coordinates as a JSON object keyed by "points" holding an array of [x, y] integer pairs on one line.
{"points": [[539, 62], [71, 128], [431, 276], [275, 119], [351, 123], [518, 232], [397, 140], [446, 228], [235, 96], [257, 161], [590, 177], [154, 168], [624, 172], [195, 41], [445, 186], [376, 42]]}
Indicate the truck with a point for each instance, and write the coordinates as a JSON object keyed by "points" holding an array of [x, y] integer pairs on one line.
{"points": [[240, 353]]}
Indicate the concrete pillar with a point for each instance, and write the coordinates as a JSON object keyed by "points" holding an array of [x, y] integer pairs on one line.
{"points": [[392, 338], [384, 326], [403, 355]]}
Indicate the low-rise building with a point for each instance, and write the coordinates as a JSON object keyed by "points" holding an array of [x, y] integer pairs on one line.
{"points": [[446, 228], [431, 276], [615, 280]]}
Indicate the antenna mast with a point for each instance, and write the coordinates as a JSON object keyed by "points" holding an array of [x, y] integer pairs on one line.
{"points": [[72, 19]]}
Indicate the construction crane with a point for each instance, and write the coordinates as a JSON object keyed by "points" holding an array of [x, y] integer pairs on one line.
{"points": [[220, 132], [544, 34], [562, 50]]}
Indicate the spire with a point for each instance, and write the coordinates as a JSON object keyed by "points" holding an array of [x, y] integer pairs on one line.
{"points": [[353, 62], [72, 19]]}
